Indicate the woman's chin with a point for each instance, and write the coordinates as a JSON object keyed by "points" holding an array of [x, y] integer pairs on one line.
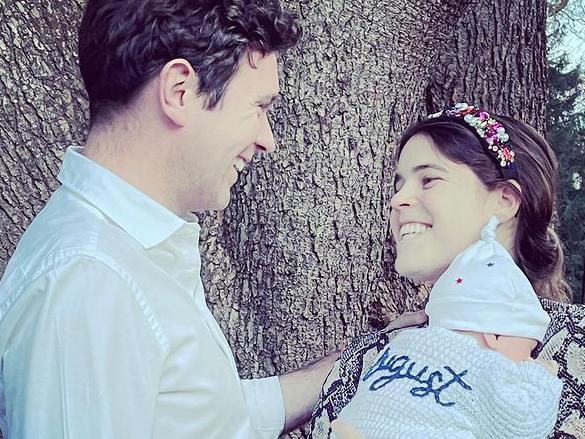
{"points": [[416, 273]]}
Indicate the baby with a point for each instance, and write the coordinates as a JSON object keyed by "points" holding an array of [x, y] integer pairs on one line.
{"points": [[469, 373]]}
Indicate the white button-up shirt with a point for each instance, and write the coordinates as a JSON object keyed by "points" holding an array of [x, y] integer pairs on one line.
{"points": [[104, 329]]}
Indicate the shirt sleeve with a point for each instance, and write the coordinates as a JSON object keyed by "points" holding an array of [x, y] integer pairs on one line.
{"points": [[84, 362], [266, 406], [519, 400]]}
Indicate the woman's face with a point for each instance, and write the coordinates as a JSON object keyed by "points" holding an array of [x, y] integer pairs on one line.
{"points": [[438, 210]]}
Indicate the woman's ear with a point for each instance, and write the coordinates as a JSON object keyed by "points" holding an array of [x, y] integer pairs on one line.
{"points": [[508, 201], [176, 87]]}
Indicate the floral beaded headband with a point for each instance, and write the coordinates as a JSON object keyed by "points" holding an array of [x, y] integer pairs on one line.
{"points": [[491, 132]]}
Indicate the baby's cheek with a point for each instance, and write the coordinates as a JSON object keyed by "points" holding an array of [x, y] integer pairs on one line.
{"points": [[343, 430]]}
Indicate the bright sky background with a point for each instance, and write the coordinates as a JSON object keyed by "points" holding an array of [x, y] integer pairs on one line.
{"points": [[575, 47], [572, 17]]}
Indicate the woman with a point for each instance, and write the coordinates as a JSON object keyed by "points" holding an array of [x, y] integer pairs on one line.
{"points": [[449, 182]]}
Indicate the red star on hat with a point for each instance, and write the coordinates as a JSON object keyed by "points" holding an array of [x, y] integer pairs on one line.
{"points": [[459, 280]]}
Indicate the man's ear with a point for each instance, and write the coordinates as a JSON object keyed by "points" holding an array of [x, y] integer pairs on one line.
{"points": [[508, 201], [176, 90]]}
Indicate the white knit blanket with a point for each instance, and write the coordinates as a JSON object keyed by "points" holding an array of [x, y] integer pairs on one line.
{"points": [[435, 383]]}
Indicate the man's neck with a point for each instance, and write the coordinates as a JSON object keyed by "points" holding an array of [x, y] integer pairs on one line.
{"points": [[139, 162]]}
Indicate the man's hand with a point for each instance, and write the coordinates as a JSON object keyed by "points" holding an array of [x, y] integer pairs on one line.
{"points": [[300, 390], [407, 319]]}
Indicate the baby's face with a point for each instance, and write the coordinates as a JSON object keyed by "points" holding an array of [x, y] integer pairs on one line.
{"points": [[343, 430], [515, 348]]}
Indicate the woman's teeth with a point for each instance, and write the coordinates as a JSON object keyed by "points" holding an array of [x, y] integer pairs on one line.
{"points": [[412, 230]]}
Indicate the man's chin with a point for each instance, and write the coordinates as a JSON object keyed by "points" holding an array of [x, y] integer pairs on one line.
{"points": [[213, 204], [221, 202], [216, 207]]}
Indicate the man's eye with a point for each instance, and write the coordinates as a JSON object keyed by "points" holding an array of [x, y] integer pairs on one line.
{"points": [[397, 185]]}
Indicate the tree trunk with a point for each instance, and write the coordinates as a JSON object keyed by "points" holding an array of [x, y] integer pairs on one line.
{"points": [[43, 107], [497, 58], [302, 245], [301, 260]]}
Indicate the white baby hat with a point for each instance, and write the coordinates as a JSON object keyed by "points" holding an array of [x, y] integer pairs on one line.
{"points": [[483, 290]]}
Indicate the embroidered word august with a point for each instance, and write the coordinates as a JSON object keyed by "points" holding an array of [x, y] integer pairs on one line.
{"points": [[402, 367]]}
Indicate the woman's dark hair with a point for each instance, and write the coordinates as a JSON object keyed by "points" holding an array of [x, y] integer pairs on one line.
{"points": [[537, 248], [124, 43]]}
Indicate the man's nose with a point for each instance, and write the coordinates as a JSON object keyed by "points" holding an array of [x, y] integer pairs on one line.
{"points": [[265, 141]]}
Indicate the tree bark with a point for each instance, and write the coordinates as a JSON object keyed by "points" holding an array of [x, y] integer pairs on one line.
{"points": [[496, 58], [302, 244], [301, 260], [42, 107]]}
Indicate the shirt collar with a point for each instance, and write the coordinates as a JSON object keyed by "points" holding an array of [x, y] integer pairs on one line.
{"points": [[140, 216]]}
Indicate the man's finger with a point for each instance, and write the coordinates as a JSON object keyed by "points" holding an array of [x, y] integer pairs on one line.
{"points": [[407, 319]]}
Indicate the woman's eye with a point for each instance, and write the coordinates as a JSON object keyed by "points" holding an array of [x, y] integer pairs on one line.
{"points": [[429, 181]]}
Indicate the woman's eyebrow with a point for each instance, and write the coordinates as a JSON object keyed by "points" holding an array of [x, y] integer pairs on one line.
{"points": [[417, 168], [429, 166]]}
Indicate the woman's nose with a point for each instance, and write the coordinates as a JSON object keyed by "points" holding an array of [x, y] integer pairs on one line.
{"points": [[403, 197]]}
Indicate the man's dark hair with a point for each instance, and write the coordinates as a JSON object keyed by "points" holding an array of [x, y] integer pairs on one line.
{"points": [[124, 43]]}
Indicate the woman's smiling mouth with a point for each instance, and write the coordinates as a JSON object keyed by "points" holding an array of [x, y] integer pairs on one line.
{"points": [[412, 230]]}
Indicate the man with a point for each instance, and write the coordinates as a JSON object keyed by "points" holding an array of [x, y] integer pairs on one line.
{"points": [[104, 329]]}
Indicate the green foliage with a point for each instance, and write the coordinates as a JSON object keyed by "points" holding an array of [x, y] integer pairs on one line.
{"points": [[566, 134]]}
